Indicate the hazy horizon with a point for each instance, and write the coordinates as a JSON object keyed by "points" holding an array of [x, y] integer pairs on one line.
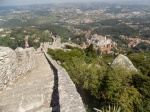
{"points": [[30, 2]]}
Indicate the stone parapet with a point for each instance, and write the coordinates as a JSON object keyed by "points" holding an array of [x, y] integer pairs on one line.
{"points": [[69, 98], [13, 63]]}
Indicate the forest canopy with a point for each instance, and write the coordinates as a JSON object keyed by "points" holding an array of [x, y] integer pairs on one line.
{"points": [[100, 85]]}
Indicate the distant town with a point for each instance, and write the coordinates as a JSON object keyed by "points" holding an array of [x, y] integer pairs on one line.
{"points": [[104, 48], [101, 24]]}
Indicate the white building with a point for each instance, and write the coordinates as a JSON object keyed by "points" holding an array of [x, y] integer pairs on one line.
{"points": [[1, 29], [99, 40]]}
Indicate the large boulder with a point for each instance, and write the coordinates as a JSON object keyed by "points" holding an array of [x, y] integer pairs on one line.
{"points": [[123, 62]]}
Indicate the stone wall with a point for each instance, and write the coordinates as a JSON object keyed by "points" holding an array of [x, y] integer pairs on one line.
{"points": [[13, 63], [69, 98]]}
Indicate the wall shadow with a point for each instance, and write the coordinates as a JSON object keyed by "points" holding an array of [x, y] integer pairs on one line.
{"points": [[55, 95]]}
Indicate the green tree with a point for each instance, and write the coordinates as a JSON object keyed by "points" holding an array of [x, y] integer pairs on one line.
{"points": [[119, 89], [90, 52], [142, 83]]}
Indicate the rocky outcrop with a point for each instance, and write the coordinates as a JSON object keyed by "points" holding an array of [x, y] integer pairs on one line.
{"points": [[14, 63], [69, 98], [123, 62]]}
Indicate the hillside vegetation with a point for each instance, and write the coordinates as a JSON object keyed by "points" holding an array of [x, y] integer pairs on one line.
{"points": [[100, 85]]}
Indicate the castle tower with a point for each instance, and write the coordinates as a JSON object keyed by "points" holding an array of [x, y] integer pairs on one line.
{"points": [[26, 42], [105, 37]]}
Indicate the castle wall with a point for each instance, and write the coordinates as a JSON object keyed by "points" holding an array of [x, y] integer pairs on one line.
{"points": [[14, 63], [69, 98]]}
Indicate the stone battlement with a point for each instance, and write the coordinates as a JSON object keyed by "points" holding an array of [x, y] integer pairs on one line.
{"points": [[13, 63], [69, 98]]}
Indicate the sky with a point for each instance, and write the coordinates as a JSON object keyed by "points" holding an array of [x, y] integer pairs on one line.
{"points": [[30, 2]]}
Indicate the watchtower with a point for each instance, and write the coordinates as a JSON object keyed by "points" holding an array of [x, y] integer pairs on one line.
{"points": [[26, 42]]}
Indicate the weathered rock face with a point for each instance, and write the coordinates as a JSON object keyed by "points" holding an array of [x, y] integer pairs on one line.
{"points": [[13, 63], [124, 62]]}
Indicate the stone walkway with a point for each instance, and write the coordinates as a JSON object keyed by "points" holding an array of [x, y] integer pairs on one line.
{"points": [[31, 92]]}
